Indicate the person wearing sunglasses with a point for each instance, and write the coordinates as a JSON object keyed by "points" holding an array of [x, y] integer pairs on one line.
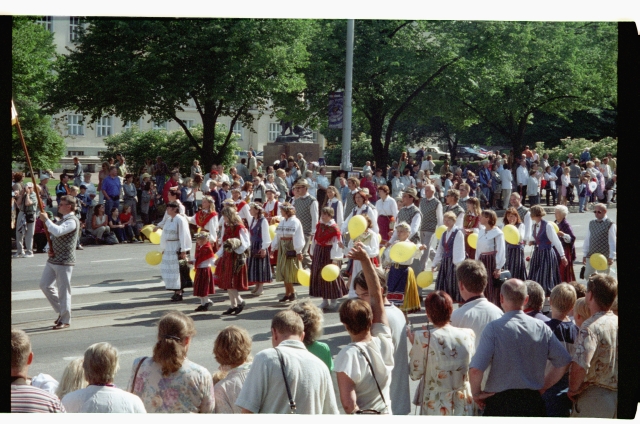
{"points": [[600, 238]]}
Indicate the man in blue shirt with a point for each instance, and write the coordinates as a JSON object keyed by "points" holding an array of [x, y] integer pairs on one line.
{"points": [[111, 190], [517, 347], [485, 181]]}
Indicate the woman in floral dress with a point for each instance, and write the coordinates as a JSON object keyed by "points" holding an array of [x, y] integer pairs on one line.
{"points": [[442, 358]]}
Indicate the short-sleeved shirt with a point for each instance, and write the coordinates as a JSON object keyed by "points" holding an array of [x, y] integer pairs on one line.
{"points": [[309, 380], [26, 398], [475, 315], [103, 399], [111, 186], [322, 351], [517, 347], [596, 350], [380, 352], [227, 390]]}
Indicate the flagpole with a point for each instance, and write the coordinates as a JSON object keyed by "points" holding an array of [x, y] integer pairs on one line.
{"points": [[33, 178]]}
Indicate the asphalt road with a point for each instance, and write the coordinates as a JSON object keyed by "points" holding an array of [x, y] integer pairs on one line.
{"points": [[118, 297]]}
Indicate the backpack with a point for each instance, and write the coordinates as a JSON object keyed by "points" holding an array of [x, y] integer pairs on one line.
{"points": [[110, 238]]}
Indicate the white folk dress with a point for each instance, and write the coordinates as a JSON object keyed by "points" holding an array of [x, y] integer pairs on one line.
{"points": [[175, 236]]}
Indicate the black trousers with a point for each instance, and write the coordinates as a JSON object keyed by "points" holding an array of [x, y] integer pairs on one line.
{"points": [[515, 403], [551, 193]]}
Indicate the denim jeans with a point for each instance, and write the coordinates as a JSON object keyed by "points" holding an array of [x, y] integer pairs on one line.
{"points": [[583, 200], [111, 203]]}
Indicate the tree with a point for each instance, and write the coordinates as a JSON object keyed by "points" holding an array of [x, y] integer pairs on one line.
{"points": [[224, 67], [537, 69], [32, 54]]}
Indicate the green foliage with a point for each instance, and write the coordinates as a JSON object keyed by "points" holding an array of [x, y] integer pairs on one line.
{"points": [[32, 54], [598, 149], [173, 146], [361, 151]]}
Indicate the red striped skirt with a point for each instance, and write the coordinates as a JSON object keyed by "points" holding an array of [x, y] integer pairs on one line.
{"points": [[383, 225], [203, 283]]}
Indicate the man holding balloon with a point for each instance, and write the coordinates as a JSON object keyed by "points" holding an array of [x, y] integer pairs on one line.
{"points": [[600, 243]]}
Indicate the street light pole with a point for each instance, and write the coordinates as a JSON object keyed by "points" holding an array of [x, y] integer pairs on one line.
{"points": [[346, 122]]}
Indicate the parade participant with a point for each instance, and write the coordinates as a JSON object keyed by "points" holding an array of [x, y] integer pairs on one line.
{"points": [[281, 184], [453, 395], [362, 207], [369, 240], [271, 211], [349, 203], [327, 247], [523, 213], [323, 184], [288, 242], [387, 209], [203, 284], [410, 214], [515, 263], [334, 201], [401, 282], [470, 223], [451, 201], [206, 219], [464, 190], [600, 238], [242, 207], [175, 243], [306, 207], [259, 268], [449, 254], [246, 192], [367, 182], [55, 282], [568, 239], [231, 265], [270, 182], [431, 212], [544, 267], [490, 251]]}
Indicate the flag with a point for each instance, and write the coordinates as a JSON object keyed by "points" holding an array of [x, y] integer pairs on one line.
{"points": [[14, 114], [336, 102]]}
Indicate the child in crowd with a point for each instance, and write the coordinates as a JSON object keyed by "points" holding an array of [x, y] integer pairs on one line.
{"points": [[116, 226], [83, 203], [550, 187], [583, 193], [188, 196], [581, 311], [130, 229], [203, 283]]}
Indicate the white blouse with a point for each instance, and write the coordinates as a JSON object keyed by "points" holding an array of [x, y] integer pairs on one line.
{"points": [[339, 216], [166, 216], [268, 207], [489, 242], [211, 227], [176, 229], [244, 212], [551, 180], [372, 246], [290, 227], [551, 234], [371, 212], [336, 251], [244, 239], [388, 207], [458, 248]]}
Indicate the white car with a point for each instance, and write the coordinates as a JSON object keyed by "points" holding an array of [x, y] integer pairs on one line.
{"points": [[436, 153]]}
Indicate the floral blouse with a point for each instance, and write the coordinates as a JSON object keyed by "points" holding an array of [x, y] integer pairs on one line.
{"points": [[596, 350], [190, 389], [445, 368]]}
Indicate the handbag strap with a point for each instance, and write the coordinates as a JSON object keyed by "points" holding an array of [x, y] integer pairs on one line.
{"points": [[292, 403], [135, 375], [373, 374]]}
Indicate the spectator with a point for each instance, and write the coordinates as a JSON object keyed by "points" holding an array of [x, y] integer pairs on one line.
{"points": [[39, 236], [168, 381], [72, 378], [195, 168], [99, 224], [62, 188], [517, 347], [173, 182], [188, 196], [44, 191], [533, 307], [111, 187], [486, 181], [581, 311], [532, 188], [130, 192], [131, 232], [84, 203], [232, 350], [146, 198], [26, 223], [312, 319], [522, 178], [101, 396], [160, 171], [77, 172], [452, 396], [506, 181], [116, 226], [24, 396], [102, 174], [585, 156], [287, 364]]}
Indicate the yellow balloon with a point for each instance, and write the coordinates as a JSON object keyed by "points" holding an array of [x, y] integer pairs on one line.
{"points": [[192, 273], [146, 230], [154, 237], [153, 258], [304, 277], [555, 226], [598, 262], [440, 231], [330, 272], [511, 234], [357, 225], [402, 251], [425, 279], [272, 231], [473, 240]]}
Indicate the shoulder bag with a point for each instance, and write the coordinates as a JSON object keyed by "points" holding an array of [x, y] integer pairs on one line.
{"points": [[371, 411], [135, 374], [292, 403]]}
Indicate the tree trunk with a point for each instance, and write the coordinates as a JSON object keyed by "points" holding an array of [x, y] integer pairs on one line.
{"points": [[380, 150], [209, 157]]}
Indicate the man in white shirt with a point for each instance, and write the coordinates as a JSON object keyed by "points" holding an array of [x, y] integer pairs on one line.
{"points": [[506, 181], [410, 214], [522, 178], [264, 391]]}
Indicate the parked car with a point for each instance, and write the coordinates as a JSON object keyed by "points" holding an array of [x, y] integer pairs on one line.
{"points": [[436, 153], [464, 152]]}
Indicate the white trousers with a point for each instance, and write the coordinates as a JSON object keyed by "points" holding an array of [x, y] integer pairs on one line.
{"points": [[55, 283]]}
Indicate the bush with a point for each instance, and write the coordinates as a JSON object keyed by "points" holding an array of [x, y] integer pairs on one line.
{"points": [[598, 149]]}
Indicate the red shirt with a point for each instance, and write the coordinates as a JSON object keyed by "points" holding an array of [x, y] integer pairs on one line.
{"points": [[167, 187], [124, 218]]}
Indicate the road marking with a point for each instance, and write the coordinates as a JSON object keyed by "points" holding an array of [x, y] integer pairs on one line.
{"points": [[112, 260], [38, 294]]}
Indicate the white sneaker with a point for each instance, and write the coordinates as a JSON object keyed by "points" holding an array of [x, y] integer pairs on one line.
{"points": [[28, 255], [18, 255], [324, 304]]}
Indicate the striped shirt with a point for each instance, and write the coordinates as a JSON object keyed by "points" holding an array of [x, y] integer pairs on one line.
{"points": [[25, 398]]}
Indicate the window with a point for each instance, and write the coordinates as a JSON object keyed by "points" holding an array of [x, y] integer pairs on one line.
{"points": [[75, 153], [238, 130], [74, 25], [75, 125], [104, 126], [129, 124], [159, 125], [188, 122], [274, 131], [46, 22]]}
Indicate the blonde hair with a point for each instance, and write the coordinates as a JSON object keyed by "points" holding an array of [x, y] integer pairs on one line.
{"points": [[72, 378], [312, 318], [449, 215], [287, 322], [581, 308], [20, 349], [209, 200], [231, 214], [335, 192], [232, 346], [170, 350], [403, 226], [563, 297], [100, 363]]}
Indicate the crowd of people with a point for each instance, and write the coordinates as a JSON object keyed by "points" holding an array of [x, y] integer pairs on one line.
{"points": [[291, 219]]}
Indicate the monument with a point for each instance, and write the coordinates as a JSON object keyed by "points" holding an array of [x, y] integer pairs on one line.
{"points": [[298, 140]]}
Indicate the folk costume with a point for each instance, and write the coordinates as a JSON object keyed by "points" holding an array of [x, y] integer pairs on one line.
{"points": [[175, 239], [449, 254], [568, 241], [325, 251], [203, 284], [288, 242], [432, 217], [259, 266], [366, 209], [243, 210], [470, 223], [490, 251], [338, 211], [272, 213], [307, 212], [459, 214], [387, 212], [231, 271], [515, 256], [206, 221], [369, 239], [544, 268], [402, 288]]}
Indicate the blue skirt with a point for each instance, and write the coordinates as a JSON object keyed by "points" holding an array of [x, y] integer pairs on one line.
{"points": [[515, 261], [447, 280], [544, 269]]}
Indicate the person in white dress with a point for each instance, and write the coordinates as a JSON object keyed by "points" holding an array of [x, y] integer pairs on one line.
{"points": [[396, 185], [175, 242], [369, 241], [490, 250], [232, 350]]}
